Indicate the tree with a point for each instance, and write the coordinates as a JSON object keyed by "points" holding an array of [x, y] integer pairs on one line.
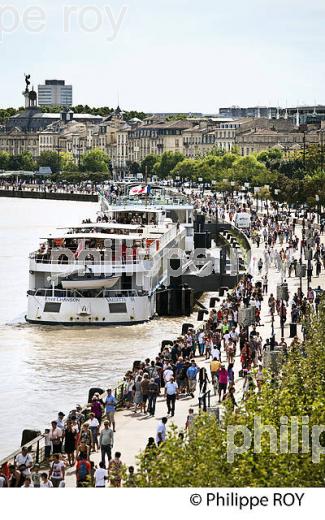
{"points": [[50, 159], [67, 162], [167, 163], [186, 169], [95, 160], [23, 161], [134, 168], [147, 165], [4, 160]]}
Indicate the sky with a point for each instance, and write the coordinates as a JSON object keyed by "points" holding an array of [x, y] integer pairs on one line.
{"points": [[167, 55]]}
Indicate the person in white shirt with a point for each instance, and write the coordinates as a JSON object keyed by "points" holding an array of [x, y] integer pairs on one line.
{"points": [[45, 482], [161, 431], [24, 462], [215, 353], [168, 374], [171, 390], [55, 436], [94, 428], [100, 476]]}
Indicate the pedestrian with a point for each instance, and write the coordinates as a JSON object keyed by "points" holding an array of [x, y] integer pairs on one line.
{"points": [[70, 442], [94, 428], [171, 390], [191, 373], [189, 419], [45, 482], [23, 463], [153, 392], [106, 441], [115, 470], [47, 444], [161, 431], [55, 436], [110, 406], [57, 470], [101, 476], [145, 391], [203, 380], [83, 472], [223, 381], [86, 439], [138, 399], [36, 477]]}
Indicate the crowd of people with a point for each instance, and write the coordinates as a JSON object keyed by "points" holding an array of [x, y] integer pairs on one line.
{"points": [[224, 354]]}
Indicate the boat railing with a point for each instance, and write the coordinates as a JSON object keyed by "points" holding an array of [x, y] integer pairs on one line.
{"points": [[68, 293], [123, 260]]}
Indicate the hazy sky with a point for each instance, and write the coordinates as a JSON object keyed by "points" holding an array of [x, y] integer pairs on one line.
{"points": [[167, 55]]}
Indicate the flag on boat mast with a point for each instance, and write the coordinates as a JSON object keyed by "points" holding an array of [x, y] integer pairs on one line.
{"points": [[81, 247], [140, 190]]}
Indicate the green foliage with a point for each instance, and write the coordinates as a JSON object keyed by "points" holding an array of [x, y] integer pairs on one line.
{"points": [[148, 163], [50, 159], [95, 160], [134, 168], [4, 160], [166, 163], [21, 162], [200, 459]]}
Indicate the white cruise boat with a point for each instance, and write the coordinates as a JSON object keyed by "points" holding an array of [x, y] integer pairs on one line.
{"points": [[107, 272]]}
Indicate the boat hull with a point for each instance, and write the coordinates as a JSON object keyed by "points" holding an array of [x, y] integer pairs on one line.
{"points": [[90, 311]]}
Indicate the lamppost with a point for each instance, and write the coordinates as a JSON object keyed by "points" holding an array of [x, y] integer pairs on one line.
{"points": [[276, 193], [256, 191], [233, 184], [317, 208]]}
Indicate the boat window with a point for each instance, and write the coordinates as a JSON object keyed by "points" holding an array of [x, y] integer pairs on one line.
{"points": [[117, 308], [52, 307]]}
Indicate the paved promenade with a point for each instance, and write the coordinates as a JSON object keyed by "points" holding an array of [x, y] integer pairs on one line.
{"points": [[133, 430]]}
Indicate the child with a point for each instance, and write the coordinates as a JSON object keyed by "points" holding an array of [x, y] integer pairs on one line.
{"points": [[189, 419], [100, 476], [130, 481], [45, 482], [48, 444], [36, 478]]}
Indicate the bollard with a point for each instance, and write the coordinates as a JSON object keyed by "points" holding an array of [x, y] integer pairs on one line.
{"points": [[213, 301], [166, 342], [93, 391], [293, 330], [200, 315], [28, 436], [185, 328]]}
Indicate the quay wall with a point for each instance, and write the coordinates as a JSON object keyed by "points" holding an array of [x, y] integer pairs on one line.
{"points": [[27, 194]]}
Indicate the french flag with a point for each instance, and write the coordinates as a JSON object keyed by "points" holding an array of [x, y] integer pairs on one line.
{"points": [[139, 190]]}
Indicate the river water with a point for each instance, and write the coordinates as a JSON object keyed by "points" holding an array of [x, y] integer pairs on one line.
{"points": [[45, 369]]}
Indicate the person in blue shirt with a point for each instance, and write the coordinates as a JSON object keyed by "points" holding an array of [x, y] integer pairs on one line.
{"points": [[191, 373], [110, 407]]}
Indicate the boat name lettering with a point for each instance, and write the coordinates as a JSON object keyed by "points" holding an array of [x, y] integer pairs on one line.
{"points": [[116, 300], [62, 299]]}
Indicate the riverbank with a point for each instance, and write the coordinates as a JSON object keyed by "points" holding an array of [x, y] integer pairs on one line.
{"points": [[49, 195]]}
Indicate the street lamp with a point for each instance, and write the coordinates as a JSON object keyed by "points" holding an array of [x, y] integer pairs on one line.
{"points": [[317, 208], [256, 191]]}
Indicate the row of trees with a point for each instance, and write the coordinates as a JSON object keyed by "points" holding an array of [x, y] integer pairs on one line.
{"points": [[297, 177], [200, 460], [91, 161], [5, 113]]}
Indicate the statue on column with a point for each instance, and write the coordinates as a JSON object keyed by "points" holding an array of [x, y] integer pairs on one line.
{"points": [[27, 81]]}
